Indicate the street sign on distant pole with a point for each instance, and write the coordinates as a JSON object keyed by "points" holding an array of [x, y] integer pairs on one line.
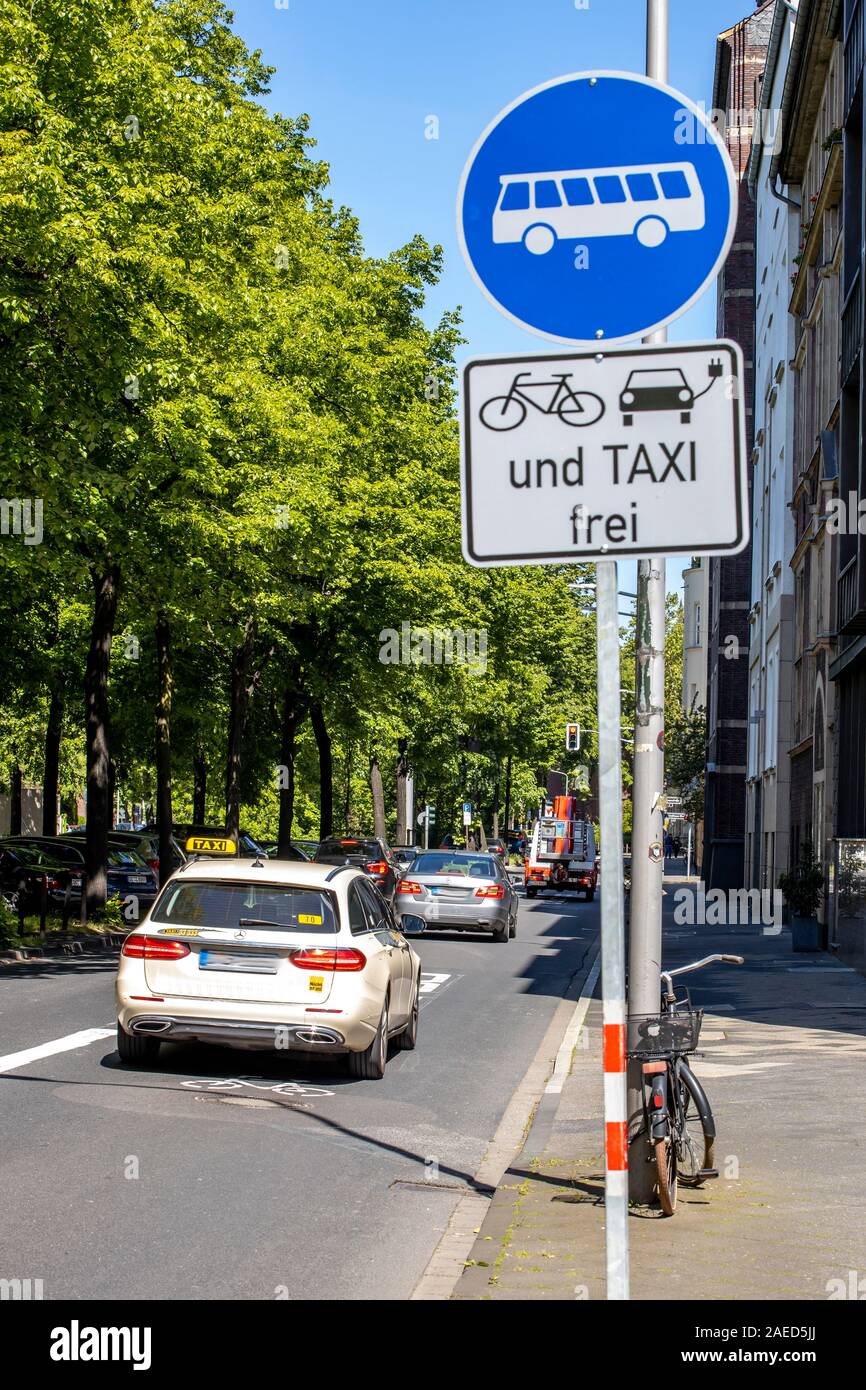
{"points": [[467, 813]]}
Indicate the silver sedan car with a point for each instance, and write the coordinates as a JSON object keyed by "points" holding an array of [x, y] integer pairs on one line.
{"points": [[452, 890]]}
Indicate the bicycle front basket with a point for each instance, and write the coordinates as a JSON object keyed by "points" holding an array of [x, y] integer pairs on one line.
{"points": [[664, 1035]]}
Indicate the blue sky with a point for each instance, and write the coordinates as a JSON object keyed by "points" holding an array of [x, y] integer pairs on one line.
{"points": [[371, 72]]}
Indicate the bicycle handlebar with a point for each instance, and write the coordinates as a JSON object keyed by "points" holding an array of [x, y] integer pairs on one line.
{"points": [[699, 964], [667, 976]]}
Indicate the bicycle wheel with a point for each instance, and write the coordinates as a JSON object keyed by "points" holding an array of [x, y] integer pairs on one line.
{"points": [[666, 1173], [503, 413], [580, 408], [695, 1148]]}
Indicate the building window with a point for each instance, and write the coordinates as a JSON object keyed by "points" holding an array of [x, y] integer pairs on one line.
{"points": [[697, 624]]}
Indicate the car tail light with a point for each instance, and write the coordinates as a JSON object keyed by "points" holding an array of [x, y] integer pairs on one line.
{"points": [[494, 890], [153, 864], [407, 885], [329, 958], [380, 867], [54, 885], [151, 948]]}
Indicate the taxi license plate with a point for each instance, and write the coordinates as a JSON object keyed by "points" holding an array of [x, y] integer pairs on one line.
{"points": [[137, 878], [247, 964]]}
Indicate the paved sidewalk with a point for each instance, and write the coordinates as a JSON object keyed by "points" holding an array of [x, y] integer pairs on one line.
{"points": [[783, 1057]]}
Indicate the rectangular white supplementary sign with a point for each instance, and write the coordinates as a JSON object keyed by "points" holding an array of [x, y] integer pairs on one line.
{"points": [[589, 456]]}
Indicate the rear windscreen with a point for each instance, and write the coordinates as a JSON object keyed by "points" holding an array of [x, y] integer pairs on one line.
{"points": [[31, 854], [117, 857], [472, 865], [125, 859], [240, 906], [346, 849]]}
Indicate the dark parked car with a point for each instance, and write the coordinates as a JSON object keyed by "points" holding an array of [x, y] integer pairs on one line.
{"points": [[294, 852], [144, 842], [405, 855], [127, 873], [371, 855], [25, 868]]}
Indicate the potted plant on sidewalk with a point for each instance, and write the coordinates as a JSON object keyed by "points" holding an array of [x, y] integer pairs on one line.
{"points": [[803, 889]]}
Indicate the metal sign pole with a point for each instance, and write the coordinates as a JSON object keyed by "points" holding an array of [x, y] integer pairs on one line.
{"points": [[645, 916], [612, 932]]}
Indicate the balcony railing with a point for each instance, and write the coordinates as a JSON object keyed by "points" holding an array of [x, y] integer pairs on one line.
{"points": [[847, 595], [855, 51], [852, 325]]}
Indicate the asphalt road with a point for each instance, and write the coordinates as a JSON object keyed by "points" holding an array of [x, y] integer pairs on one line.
{"points": [[221, 1174]]}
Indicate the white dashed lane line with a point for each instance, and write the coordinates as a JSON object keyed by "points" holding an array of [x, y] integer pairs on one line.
{"points": [[14, 1060], [430, 983]]}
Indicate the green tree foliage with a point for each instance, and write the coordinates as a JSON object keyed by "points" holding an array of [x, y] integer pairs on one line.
{"points": [[243, 438], [685, 730]]}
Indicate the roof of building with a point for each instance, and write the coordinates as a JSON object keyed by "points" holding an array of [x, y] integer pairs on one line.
{"points": [[811, 48], [780, 19]]}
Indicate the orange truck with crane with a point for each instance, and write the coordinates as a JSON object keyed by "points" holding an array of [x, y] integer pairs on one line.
{"points": [[562, 852]]}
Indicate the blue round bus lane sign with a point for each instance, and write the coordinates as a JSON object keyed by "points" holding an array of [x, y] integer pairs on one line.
{"points": [[597, 207]]}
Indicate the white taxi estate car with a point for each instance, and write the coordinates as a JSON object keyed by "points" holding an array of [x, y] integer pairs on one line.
{"points": [[270, 954]]}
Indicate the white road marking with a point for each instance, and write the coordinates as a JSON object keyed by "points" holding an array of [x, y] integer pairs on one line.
{"points": [[820, 970], [429, 982], [717, 1069], [49, 1049], [280, 1088]]}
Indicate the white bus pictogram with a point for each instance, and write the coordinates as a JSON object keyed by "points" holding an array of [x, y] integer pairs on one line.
{"points": [[648, 201]]}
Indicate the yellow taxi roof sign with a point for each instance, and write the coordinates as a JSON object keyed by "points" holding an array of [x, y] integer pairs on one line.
{"points": [[210, 844]]}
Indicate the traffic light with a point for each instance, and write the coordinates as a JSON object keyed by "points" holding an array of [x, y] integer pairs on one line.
{"points": [[572, 738]]}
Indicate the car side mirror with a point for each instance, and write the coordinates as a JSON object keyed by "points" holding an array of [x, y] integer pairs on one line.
{"points": [[412, 926]]}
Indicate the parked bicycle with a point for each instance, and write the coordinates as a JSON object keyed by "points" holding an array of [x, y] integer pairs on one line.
{"points": [[578, 408], [676, 1112]]}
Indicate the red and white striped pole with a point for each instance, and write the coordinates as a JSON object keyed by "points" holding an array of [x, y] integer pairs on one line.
{"points": [[612, 932]]}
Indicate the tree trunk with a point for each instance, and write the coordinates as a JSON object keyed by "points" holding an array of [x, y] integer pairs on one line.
{"points": [[508, 793], [239, 697], [378, 798], [326, 772], [494, 817], [347, 805], [106, 587], [244, 679], [15, 800], [165, 687], [199, 787], [51, 773], [402, 773], [292, 717]]}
